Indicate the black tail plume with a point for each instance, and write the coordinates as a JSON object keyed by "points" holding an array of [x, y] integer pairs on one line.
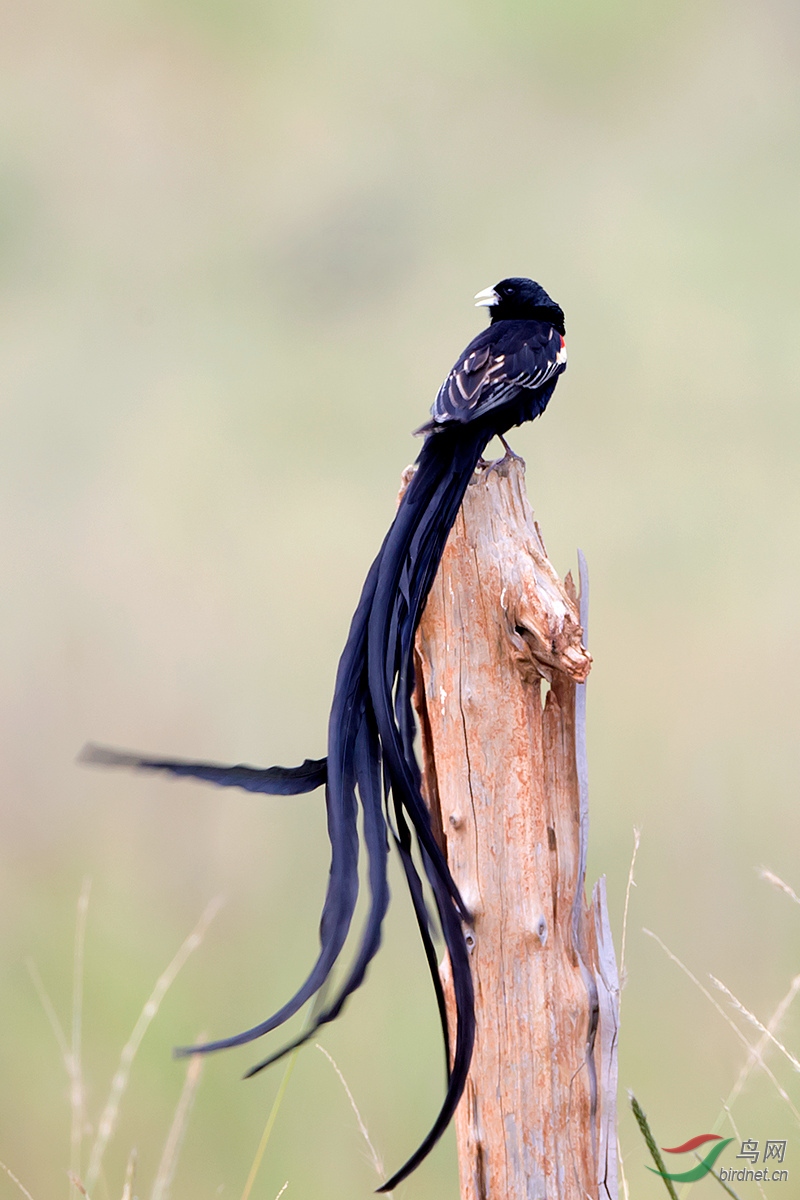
{"points": [[274, 781], [371, 761], [409, 560]]}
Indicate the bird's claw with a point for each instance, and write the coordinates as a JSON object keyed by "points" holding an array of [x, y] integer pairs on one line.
{"points": [[509, 453], [496, 464]]}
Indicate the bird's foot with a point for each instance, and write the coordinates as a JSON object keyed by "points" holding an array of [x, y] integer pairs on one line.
{"points": [[497, 464], [486, 465], [501, 464], [509, 453]]}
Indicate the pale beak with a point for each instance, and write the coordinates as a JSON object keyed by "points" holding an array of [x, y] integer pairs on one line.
{"points": [[487, 298]]}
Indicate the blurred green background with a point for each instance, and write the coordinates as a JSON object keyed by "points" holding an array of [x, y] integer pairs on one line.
{"points": [[238, 246]]}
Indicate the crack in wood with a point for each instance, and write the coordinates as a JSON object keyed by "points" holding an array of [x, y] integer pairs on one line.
{"points": [[543, 1076]]}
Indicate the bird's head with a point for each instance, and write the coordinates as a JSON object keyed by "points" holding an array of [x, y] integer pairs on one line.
{"points": [[519, 299]]}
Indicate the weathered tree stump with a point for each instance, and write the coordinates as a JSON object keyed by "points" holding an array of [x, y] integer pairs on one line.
{"points": [[505, 778]]}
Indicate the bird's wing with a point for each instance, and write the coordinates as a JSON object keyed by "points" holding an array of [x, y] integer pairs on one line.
{"points": [[493, 369]]}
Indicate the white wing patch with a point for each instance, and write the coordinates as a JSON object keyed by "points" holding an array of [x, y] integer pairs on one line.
{"points": [[481, 383]]}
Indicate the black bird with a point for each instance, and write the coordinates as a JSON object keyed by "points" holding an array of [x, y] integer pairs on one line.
{"points": [[504, 377]]}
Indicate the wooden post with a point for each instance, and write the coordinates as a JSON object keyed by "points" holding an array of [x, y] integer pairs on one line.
{"points": [[504, 771]]}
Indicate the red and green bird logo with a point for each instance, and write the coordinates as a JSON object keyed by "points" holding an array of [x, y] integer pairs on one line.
{"points": [[704, 1166]]}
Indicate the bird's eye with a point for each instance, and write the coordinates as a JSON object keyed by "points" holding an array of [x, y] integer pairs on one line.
{"points": [[507, 289]]}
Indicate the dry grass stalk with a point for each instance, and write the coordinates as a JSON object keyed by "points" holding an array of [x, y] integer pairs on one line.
{"points": [[623, 979], [622, 1176], [738, 1137], [130, 1175], [15, 1181], [50, 1012], [119, 1083], [506, 781], [172, 1148], [753, 1019], [377, 1161], [752, 1050], [761, 1046], [777, 882], [637, 837]]}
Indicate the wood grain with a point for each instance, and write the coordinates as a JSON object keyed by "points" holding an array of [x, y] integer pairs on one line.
{"points": [[500, 658]]}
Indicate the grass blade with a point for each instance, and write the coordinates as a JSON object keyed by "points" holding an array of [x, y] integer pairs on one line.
{"points": [[655, 1153], [273, 1113], [76, 1100], [721, 1182]]}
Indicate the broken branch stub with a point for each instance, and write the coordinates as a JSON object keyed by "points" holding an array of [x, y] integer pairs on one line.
{"points": [[502, 779]]}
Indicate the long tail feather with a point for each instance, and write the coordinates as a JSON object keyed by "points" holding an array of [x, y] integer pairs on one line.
{"points": [[372, 727], [465, 1034], [410, 557], [275, 781], [337, 914], [445, 467], [347, 713], [402, 840], [367, 764]]}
